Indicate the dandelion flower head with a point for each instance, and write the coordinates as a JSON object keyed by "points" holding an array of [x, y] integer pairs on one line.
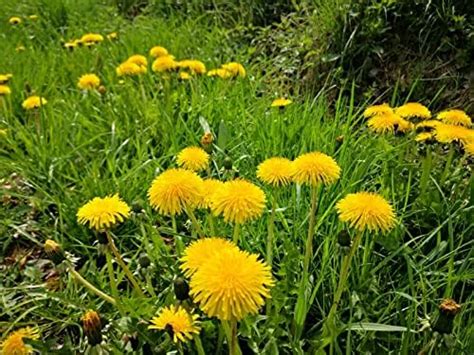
{"points": [[315, 168], [88, 82], [193, 158], [14, 343], [275, 171], [104, 212], [413, 110], [183, 324], [455, 117]]}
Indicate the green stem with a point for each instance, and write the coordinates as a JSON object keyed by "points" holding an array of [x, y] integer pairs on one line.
{"points": [[124, 266], [212, 225], [426, 169], [110, 270], [309, 240], [270, 242], [344, 273], [230, 329], [236, 235], [447, 166], [195, 222], [199, 347], [90, 286]]}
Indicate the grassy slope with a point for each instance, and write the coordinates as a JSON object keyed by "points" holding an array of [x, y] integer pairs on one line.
{"points": [[91, 145]]}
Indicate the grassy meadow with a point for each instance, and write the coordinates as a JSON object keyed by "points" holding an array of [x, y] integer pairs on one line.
{"points": [[119, 137]]}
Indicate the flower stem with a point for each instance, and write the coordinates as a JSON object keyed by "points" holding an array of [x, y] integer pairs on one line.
{"points": [[90, 286], [309, 241], [236, 235], [195, 222], [124, 266], [230, 329], [199, 347], [110, 271], [270, 241], [344, 274]]}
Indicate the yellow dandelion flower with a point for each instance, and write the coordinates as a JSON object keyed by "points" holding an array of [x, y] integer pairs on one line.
{"points": [[315, 168], [446, 133], [282, 102], [184, 76], [236, 69], [275, 171], [5, 78], [91, 38], [376, 110], [175, 190], [384, 122], [138, 59], [413, 109], [165, 63], [88, 82], [424, 136], [231, 284], [221, 73], [5, 90], [469, 149], [34, 102], [455, 117], [71, 44], [103, 212], [15, 20], [158, 51], [20, 48], [193, 158], [238, 201], [129, 69], [427, 125], [4, 133], [14, 343], [366, 210], [183, 324], [195, 66], [33, 17], [404, 126], [210, 186], [200, 251], [112, 36]]}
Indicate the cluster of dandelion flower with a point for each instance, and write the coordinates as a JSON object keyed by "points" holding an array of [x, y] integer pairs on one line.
{"points": [[135, 65], [228, 71]]}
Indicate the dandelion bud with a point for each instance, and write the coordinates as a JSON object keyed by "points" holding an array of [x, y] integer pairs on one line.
{"points": [[447, 312], [339, 141], [206, 141], [227, 163], [102, 90], [54, 251], [92, 327], [181, 289], [144, 260], [344, 239]]}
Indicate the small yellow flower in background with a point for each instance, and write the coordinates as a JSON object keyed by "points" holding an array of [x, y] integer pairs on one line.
{"points": [[384, 122], [103, 212], [5, 78], [184, 76], [446, 133], [455, 117], [200, 251], [33, 102], [183, 324], [424, 136], [469, 149], [92, 326], [315, 168], [413, 110], [366, 210], [33, 17], [194, 66], [175, 190], [138, 59], [193, 158], [4, 133], [221, 73], [275, 171], [165, 63], [113, 35], [158, 51], [72, 44], [20, 48], [376, 110], [427, 125], [231, 284], [14, 343], [238, 201], [210, 186], [236, 69], [129, 69], [282, 102], [14, 20], [91, 38], [88, 82], [5, 90]]}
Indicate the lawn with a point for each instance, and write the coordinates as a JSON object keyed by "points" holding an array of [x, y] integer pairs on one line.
{"points": [[365, 246]]}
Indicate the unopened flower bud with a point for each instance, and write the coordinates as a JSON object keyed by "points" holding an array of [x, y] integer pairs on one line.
{"points": [[144, 260], [344, 239], [92, 327], [206, 141], [181, 289], [447, 312], [102, 90], [54, 251], [227, 163]]}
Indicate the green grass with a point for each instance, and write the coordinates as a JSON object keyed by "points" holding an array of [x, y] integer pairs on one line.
{"points": [[92, 145]]}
